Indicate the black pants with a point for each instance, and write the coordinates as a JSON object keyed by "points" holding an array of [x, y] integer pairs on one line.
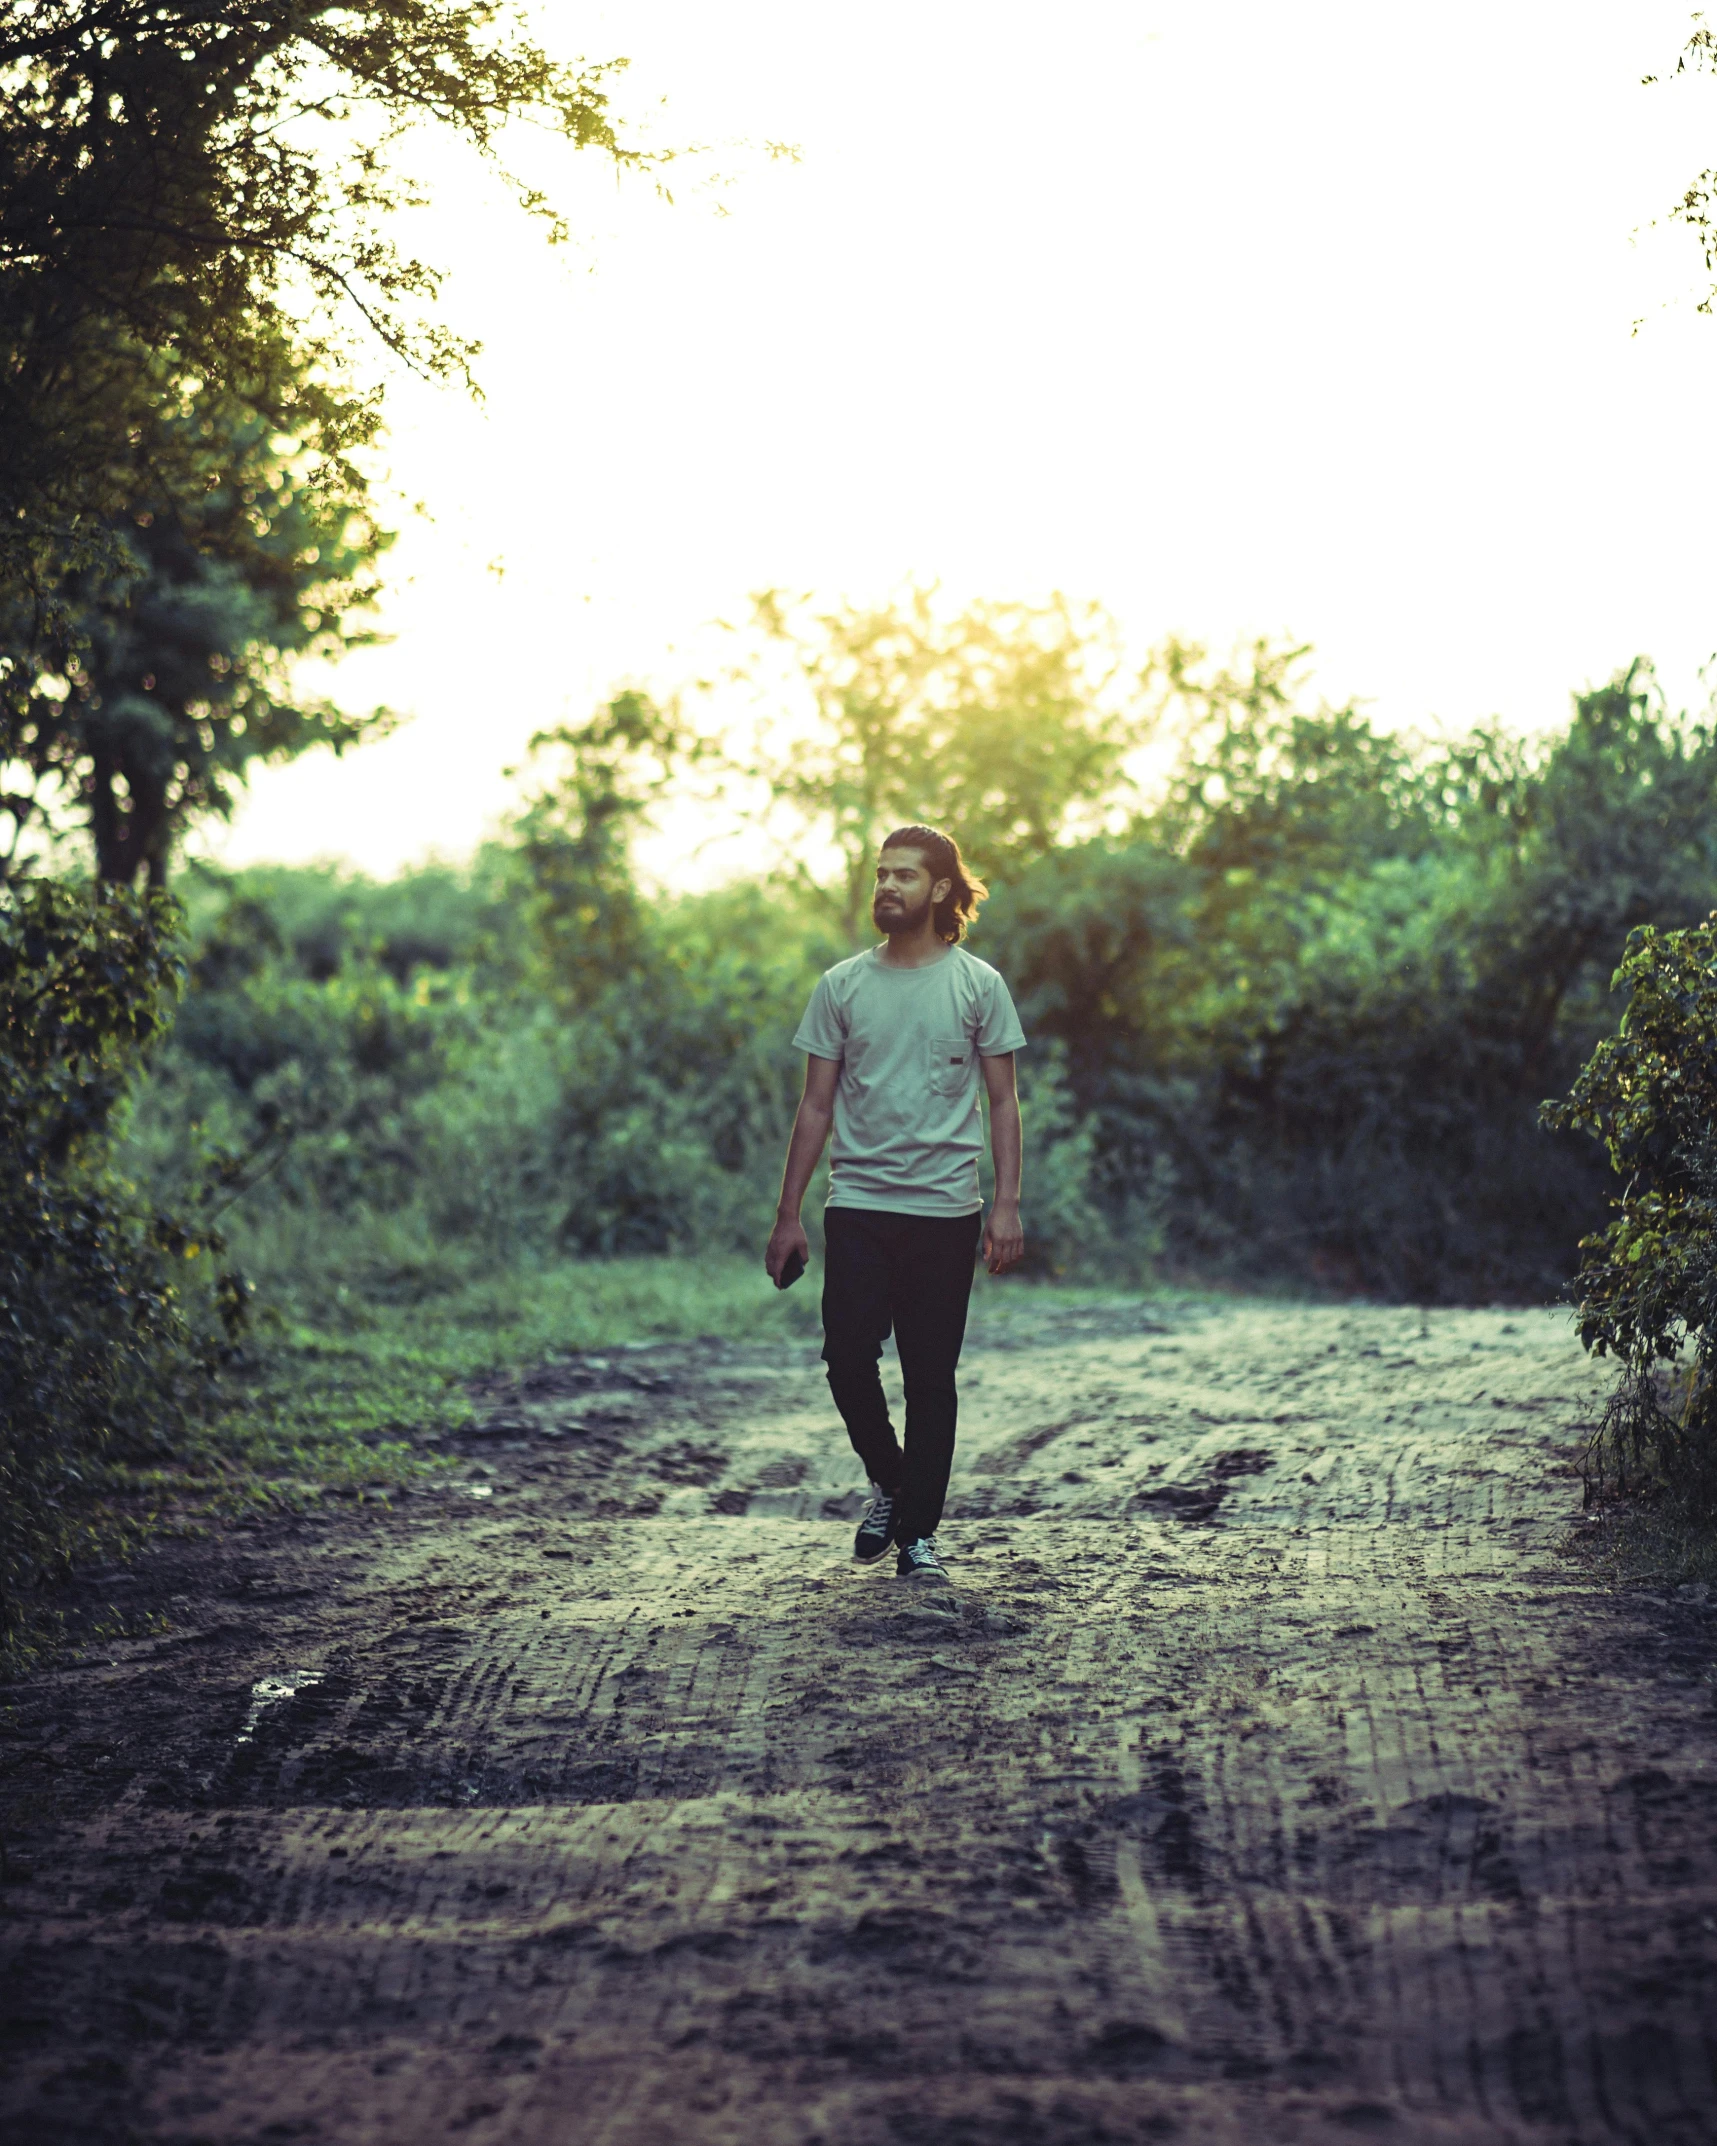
{"points": [[912, 1273]]}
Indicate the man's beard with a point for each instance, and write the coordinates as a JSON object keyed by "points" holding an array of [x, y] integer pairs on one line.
{"points": [[894, 917]]}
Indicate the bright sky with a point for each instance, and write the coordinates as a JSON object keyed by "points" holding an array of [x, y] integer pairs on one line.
{"points": [[1238, 317]]}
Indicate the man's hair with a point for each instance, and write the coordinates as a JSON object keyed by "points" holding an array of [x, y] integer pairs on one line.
{"points": [[942, 860]]}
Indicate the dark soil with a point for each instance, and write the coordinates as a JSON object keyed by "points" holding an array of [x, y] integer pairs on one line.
{"points": [[1273, 1774]]}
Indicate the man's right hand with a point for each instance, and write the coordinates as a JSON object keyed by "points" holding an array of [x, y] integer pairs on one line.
{"points": [[786, 1238]]}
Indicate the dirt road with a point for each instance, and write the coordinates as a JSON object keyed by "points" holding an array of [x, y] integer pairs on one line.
{"points": [[1277, 1777]]}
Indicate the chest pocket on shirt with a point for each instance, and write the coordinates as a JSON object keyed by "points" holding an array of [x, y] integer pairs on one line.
{"points": [[950, 1064]]}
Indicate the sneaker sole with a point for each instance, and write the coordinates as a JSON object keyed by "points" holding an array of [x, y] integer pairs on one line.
{"points": [[876, 1557]]}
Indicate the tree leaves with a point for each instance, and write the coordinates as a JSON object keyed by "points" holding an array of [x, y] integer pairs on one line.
{"points": [[197, 222], [95, 1342], [181, 675], [1648, 1281], [175, 184]]}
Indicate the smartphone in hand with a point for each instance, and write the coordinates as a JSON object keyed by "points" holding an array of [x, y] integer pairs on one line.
{"points": [[791, 1270]]}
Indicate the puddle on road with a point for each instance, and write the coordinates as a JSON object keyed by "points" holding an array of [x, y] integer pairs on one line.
{"points": [[270, 1691]]}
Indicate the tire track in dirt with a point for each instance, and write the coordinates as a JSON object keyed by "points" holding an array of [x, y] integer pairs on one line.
{"points": [[1276, 1779]]}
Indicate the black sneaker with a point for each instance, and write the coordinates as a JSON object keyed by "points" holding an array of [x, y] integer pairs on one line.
{"points": [[876, 1529], [918, 1561]]}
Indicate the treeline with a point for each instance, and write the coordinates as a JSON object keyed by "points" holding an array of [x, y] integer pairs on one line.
{"points": [[1291, 1020]]}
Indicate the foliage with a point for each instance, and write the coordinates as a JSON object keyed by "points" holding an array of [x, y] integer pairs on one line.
{"points": [[99, 1341], [1648, 1281], [595, 785], [1294, 1019], [197, 219], [203, 200], [499, 1099], [172, 677], [198, 242], [1319, 990]]}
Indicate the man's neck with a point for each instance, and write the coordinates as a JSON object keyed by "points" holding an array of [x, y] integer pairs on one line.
{"points": [[913, 949]]}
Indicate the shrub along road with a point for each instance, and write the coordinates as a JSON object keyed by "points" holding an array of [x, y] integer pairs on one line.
{"points": [[1279, 1776]]}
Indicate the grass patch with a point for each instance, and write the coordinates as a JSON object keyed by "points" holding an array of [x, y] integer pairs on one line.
{"points": [[1650, 1540], [364, 1355], [349, 1383]]}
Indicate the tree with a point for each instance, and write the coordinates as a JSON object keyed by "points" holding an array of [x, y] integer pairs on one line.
{"points": [[174, 676], [1261, 784], [194, 198], [572, 838], [1004, 723], [194, 210], [1611, 829]]}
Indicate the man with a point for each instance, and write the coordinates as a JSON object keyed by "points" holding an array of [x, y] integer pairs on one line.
{"points": [[896, 1041]]}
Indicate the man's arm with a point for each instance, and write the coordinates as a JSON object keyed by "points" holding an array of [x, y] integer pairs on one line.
{"points": [[1004, 1240], [810, 1131]]}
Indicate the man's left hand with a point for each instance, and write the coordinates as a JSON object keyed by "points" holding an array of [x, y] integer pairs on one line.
{"points": [[1004, 1239]]}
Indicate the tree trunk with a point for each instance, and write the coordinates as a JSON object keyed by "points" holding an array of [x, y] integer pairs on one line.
{"points": [[132, 834]]}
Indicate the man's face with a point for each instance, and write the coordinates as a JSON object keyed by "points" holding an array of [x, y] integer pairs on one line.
{"points": [[905, 892]]}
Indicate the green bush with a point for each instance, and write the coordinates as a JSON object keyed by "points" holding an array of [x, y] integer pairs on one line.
{"points": [[108, 1314], [484, 1097], [488, 1103], [1648, 1281]]}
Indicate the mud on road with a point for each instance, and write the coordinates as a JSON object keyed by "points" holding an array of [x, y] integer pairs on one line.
{"points": [[1277, 1775]]}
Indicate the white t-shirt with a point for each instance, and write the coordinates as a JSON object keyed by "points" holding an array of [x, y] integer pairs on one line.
{"points": [[908, 1130]]}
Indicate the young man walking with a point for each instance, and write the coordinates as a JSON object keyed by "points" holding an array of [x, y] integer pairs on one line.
{"points": [[897, 1040]]}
